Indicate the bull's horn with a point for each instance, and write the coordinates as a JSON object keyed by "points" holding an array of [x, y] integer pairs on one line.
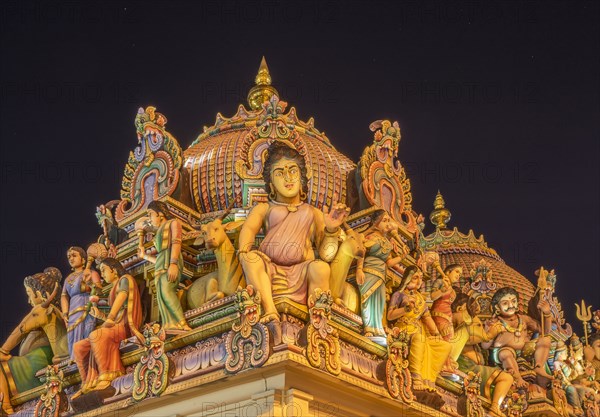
{"points": [[47, 303], [196, 224], [227, 210]]}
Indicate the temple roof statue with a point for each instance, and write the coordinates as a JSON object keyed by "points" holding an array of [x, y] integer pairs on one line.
{"points": [[466, 250]]}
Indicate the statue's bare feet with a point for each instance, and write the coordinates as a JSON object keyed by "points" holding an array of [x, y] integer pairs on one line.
{"points": [[521, 383], [101, 385], [182, 325], [269, 317], [77, 395], [418, 385], [496, 412], [7, 409], [540, 371]]}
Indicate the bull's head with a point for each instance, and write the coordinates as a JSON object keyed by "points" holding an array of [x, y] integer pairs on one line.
{"points": [[40, 315], [214, 233], [354, 243]]}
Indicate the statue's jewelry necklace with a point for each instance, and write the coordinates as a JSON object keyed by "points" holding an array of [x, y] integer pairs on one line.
{"points": [[74, 275], [511, 329], [292, 207]]}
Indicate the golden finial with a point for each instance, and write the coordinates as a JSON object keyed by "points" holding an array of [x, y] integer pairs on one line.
{"points": [[263, 90], [440, 215]]}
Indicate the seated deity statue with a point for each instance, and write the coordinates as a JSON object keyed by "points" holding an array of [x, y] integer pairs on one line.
{"points": [[469, 334], [408, 311], [98, 357], [514, 336], [285, 263]]}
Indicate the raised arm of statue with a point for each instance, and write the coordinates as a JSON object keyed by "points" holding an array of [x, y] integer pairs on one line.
{"points": [[328, 224]]}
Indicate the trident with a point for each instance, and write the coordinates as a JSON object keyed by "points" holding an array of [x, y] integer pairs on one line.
{"points": [[584, 316]]}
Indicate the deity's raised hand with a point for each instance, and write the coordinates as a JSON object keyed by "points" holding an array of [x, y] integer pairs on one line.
{"points": [[87, 276], [544, 306], [335, 215]]}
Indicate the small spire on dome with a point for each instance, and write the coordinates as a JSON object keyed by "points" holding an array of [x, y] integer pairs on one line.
{"points": [[263, 90], [440, 215]]}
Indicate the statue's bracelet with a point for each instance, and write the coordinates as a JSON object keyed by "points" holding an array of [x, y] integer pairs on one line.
{"points": [[336, 233], [4, 351]]}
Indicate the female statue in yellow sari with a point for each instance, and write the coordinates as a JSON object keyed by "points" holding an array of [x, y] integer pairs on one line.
{"points": [[428, 352]]}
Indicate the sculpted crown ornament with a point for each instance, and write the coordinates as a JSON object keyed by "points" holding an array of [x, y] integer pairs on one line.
{"points": [[153, 168], [383, 180]]}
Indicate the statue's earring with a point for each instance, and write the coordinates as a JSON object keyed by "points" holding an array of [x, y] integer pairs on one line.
{"points": [[302, 195], [272, 194]]}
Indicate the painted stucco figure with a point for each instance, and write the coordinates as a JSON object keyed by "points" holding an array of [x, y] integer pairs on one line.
{"points": [[469, 334], [41, 334], [514, 337], [285, 263], [371, 274], [443, 294], [98, 357], [168, 265], [428, 352], [75, 297]]}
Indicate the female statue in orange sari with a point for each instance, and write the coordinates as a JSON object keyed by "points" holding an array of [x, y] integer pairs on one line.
{"points": [[98, 358]]}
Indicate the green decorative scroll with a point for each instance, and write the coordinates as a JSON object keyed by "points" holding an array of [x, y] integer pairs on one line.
{"points": [[248, 342], [151, 374]]}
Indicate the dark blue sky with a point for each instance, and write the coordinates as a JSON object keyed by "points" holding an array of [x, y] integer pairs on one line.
{"points": [[498, 106]]}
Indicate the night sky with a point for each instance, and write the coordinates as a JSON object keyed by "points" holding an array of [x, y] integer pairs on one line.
{"points": [[498, 106]]}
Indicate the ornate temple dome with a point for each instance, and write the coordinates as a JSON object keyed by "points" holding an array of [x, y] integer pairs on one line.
{"points": [[473, 254], [224, 163]]}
